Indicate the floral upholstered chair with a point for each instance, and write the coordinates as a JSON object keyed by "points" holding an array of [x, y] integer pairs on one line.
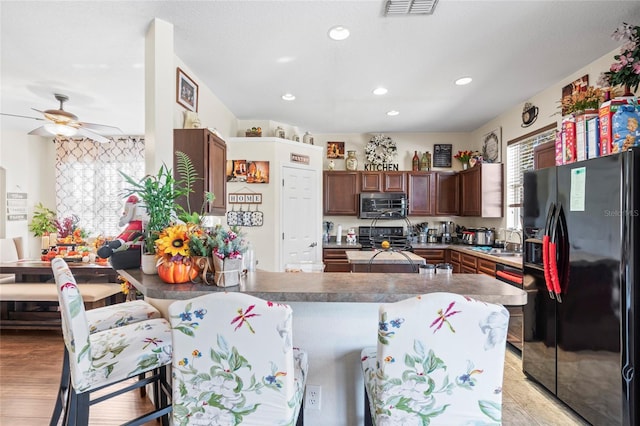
{"points": [[439, 361], [234, 362], [110, 356], [101, 319]]}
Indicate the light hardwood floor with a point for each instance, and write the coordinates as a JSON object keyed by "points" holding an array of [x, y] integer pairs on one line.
{"points": [[30, 369]]}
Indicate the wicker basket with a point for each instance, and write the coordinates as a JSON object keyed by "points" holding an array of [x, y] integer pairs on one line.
{"points": [[253, 134]]}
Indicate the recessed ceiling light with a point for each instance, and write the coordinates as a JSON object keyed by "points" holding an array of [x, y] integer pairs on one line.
{"points": [[380, 91], [464, 80], [285, 59], [288, 97], [338, 33], [393, 113]]}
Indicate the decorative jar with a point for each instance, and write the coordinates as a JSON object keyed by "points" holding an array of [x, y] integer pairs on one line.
{"points": [[279, 133], [351, 162], [307, 138]]}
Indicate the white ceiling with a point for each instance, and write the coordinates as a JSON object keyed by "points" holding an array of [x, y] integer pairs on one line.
{"points": [[94, 53]]}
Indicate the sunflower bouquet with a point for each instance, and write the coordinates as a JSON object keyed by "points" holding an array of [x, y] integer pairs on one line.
{"points": [[174, 255]]}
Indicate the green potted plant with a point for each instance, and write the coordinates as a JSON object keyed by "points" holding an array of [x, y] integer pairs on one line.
{"points": [[43, 221]]}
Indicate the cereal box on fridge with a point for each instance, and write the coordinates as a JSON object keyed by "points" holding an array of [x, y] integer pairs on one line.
{"points": [[559, 149], [607, 109], [625, 128], [593, 137], [569, 139]]}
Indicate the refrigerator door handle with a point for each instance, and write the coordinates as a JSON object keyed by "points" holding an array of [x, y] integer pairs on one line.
{"points": [[553, 254], [545, 250]]}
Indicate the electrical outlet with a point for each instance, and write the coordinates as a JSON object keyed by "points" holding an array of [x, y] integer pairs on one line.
{"points": [[314, 397]]}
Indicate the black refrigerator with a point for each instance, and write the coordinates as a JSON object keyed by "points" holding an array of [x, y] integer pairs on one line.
{"points": [[581, 327]]}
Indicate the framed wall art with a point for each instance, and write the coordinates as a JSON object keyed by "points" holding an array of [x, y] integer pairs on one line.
{"points": [[335, 150], [492, 146], [187, 91], [442, 154], [579, 85]]}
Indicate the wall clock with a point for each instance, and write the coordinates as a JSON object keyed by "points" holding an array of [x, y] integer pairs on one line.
{"points": [[380, 149]]}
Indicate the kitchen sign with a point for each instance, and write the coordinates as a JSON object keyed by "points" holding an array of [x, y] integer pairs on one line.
{"points": [[299, 158]]}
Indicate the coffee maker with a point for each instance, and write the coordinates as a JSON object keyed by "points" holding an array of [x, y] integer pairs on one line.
{"points": [[446, 228]]}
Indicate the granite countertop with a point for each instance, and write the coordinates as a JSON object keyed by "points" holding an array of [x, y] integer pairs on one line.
{"points": [[383, 257], [338, 287]]}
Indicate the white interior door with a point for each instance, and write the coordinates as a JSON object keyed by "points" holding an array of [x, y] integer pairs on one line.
{"points": [[300, 215]]}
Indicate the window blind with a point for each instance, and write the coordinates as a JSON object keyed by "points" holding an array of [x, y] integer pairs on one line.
{"points": [[519, 160]]}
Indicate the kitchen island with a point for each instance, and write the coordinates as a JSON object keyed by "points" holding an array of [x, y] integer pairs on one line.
{"points": [[335, 315], [384, 261]]}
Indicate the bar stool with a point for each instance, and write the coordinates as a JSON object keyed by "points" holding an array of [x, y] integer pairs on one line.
{"points": [[101, 319], [234, 362], [439, 361], [103, 358]]}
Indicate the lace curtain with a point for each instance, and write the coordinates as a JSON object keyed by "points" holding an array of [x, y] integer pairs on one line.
{"points": [[88, 184]]}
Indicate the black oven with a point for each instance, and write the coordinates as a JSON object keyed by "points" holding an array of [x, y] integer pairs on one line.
{"points": [[383, 205], [369, 237]]}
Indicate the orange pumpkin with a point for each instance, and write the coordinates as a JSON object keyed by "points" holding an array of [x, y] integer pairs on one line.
{"points": [[177, 272]]}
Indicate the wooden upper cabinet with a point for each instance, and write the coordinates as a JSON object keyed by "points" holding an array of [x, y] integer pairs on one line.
{"points": [[370, 182], [340, 193], [544, 155], [208, 154], [481, 190], [420, 193], [382, 182], [447, 191]]}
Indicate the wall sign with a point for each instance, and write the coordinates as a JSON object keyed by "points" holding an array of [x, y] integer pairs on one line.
{"points": [[16, 206], [299, 158], [442, 155]]}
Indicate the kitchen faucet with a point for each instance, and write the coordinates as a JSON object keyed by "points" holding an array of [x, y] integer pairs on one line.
{"points": [[517, 246]]}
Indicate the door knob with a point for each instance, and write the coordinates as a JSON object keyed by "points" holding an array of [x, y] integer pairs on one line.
{"points": [[313, 244]]}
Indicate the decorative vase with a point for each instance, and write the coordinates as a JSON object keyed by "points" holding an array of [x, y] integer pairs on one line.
{"points": [[307, 138], [227, 271], [279, 133], [148, 264], [465, 166], [205, 264], [627, 91], [351, 162], [178, 272]]}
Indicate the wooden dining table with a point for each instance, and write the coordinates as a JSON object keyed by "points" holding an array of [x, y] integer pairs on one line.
{"points": [[40, 271]]}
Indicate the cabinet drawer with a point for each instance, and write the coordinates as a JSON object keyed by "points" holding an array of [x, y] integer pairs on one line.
{"points": [[456, 267], [470, 261], [431, 255], [455, 256], [335, 254], [486, 267], [467, 269]]}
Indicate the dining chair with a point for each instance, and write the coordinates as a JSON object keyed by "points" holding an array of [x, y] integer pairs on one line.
{"points": [[234, 362], [103, 358], [439, 360], [101, 319]]}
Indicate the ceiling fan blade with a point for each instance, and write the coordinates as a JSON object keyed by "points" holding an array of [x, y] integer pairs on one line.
{"points": [[37, 110], [99, 127], [40, 131], [92, 135], [21, 116]]}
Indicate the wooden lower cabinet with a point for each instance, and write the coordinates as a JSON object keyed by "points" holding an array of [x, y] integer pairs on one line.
{"points": [[433, 256], [486, 267], [469, 264], [335, 260], [455, 259]]}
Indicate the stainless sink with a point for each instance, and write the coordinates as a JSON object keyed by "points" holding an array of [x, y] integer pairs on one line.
{"points": [[503, 253]]}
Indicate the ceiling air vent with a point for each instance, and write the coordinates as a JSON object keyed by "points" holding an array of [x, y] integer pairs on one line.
{"points": [[409, 7]]}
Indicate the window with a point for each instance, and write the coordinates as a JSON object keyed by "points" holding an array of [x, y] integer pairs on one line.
{"points": [[519, 160], [88, 182]]}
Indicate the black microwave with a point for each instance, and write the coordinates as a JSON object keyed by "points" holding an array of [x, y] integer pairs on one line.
{"points": [[383, 205]]}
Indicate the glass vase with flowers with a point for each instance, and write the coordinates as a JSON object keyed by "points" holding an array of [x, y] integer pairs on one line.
{"points": [[463, 157]]}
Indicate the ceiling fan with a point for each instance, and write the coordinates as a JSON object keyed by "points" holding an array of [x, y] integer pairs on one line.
{"points": [[63, 123]]}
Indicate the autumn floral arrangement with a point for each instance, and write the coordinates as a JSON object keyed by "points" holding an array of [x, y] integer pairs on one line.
{"points": [[175, 264], [583, 100], [626, 70]]}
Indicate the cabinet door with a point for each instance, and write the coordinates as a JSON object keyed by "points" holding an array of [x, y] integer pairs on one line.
{"points": [[544, 155], [470, 192], [447, 193], [394, 182], [340, 193], [217, 179], [370, 182], [420, 193]]}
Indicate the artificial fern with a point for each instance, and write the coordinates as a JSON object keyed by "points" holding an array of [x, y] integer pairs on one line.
{"points": [[188, 174]]}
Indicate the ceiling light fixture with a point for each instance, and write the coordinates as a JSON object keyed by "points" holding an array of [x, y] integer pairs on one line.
{"points": [[60, 129], [338, 33], [463, 81], [380, 91], [288, 97], [393, 113]]}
